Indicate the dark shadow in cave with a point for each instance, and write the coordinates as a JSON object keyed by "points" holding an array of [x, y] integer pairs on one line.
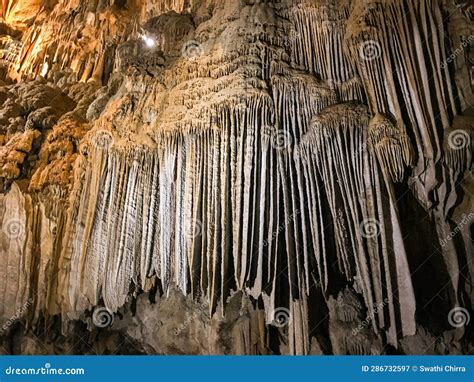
{"points": [[431, 282]]}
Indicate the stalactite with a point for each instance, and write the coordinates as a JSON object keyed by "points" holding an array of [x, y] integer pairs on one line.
{"points": [[352, 183], [392, 147]]}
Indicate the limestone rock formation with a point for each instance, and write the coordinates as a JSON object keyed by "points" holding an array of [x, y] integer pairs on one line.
{"points": [[236, 177]]}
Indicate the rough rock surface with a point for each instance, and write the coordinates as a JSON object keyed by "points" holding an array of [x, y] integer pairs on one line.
{"points": [[236, 177]]}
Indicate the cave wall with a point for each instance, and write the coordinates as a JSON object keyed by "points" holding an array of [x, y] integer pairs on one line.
{"points": [[287, 177]]}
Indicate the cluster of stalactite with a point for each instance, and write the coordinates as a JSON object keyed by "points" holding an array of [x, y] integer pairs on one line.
{"points": [[9, 50], [366, 227], [397, 86], [267, 165]]}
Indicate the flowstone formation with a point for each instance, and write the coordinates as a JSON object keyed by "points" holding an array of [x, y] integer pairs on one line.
{"points": [[236, 177]]}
